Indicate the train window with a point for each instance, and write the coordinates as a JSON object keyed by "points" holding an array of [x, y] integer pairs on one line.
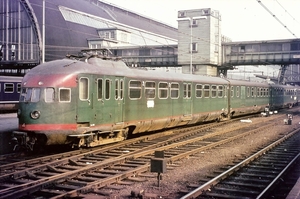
{"points": [[267, 92], [83, 88], [206, 91], [248, 91], [135, 88], [174, 92], [237, 91], [8, 87], [232, 91], [220, 91], [18, 87], [107, 89], [187, 89], [252, 91], [213, 91], [49, 94], [258, 92], [30, 95], [198, 89], [163, 90], [64, 95], [150, 90], [100, 89], [35, 95], [119, 89]]}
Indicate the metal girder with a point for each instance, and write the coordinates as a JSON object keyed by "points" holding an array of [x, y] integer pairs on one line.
{"points": [[281, 74]]}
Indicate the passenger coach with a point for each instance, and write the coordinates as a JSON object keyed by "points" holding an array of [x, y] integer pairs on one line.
{"points": [[10, 88]]}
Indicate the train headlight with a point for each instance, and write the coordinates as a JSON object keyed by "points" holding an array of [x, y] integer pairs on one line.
{"points": [[35, 115]]}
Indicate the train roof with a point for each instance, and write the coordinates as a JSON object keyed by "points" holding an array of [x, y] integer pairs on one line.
{"points": [[10, 79], [70, 67]]}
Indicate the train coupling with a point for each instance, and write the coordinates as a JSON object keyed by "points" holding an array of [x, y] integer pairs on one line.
{"points": [[22, 140]]}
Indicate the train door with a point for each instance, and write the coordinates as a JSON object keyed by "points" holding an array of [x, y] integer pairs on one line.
{"points": [[85, 101], [119, 99], [187, 98]]}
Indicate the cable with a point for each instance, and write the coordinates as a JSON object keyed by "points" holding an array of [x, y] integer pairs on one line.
{"points": [[273, 15], [287, 12]]}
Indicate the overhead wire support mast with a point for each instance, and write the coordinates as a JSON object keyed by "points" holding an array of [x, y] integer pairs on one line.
{"points": [[259, 1]]}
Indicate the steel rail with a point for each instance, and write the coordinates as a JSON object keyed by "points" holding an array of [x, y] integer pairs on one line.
{"points": [[103, 182], [195, 193]]}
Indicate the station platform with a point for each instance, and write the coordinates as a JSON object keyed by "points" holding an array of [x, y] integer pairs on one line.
{"points": [[295, 192]]}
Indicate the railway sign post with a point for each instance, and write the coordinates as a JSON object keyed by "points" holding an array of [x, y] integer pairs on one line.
{"points": [[158, 164]]}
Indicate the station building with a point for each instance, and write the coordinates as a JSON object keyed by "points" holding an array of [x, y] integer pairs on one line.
{"points": [[34, 31]]}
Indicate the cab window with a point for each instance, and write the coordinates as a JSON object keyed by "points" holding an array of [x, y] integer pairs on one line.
{"points": [[30, 95], [49, 94], [65, 95]]}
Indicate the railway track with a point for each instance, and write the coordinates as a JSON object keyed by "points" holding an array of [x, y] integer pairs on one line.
{"points": [[92, 171], [257, 176], [19, 160]]}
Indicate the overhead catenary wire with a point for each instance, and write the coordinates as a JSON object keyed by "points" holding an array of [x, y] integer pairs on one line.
{"points": [[273, 15], [294, 19]]}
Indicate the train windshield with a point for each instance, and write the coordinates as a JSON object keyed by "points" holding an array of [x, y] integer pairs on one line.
{"points": [[30, 95]]}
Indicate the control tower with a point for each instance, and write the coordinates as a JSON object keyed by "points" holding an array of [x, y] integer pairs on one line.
{"points": [[199, 41]]}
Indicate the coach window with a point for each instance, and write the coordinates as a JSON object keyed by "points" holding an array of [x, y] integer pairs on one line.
{"points": [[135, 89], [187, 89], [206, 91], [83, 88], [267, 92], [163, 90], [252, 91], [117, 93], [174, 92], [220, 91], [248, 91], [150, 90], [18, 87], [232, 91], [99, 89], [213, 91], [119, 89], [65, 95], [8, 87], [49, 95], [107, 89], [237, 91], [198, 90]]}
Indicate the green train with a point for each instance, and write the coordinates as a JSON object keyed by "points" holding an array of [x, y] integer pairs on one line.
{"points": [[97, 101]]}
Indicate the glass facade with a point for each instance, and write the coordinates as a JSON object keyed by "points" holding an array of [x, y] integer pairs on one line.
{"points": [[18, 34]]}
